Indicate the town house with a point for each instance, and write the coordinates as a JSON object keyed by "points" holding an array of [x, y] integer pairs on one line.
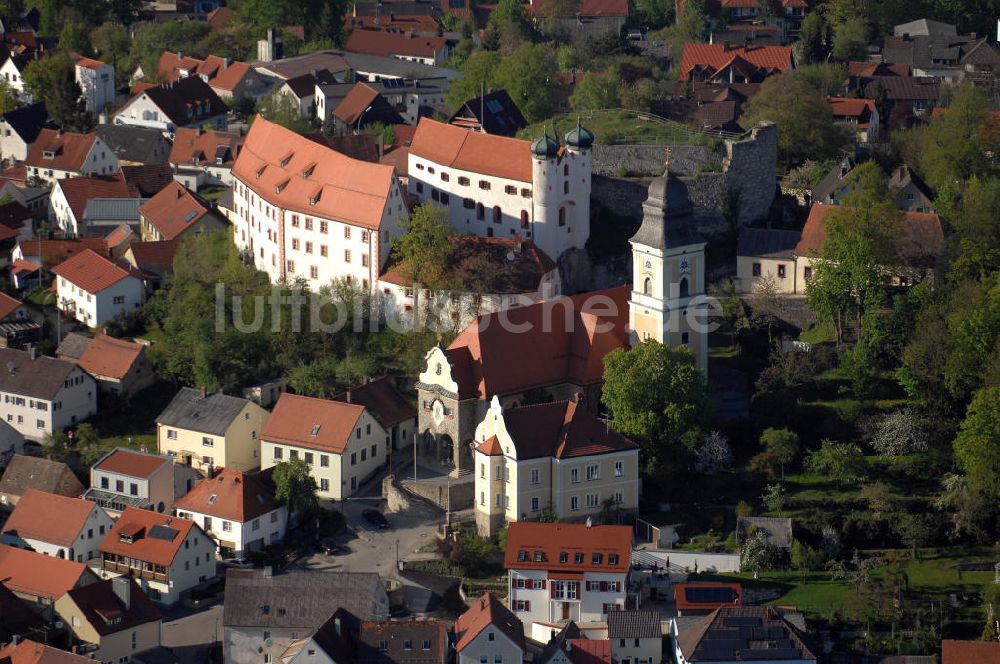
{"points": [[555, 457], [176, 212], [166, 555], [636, 637], [342, 443], [58, 154], [403, 642], [489, 632], [188, 102], [56, 526], [237, 510], [70, 196], [93, 289], [119, 366], [564, 571], [26, 472], [19, 128], [129, 478], [207, 430], [201, 157], [39, 579], [42, 395], [97, 82]]}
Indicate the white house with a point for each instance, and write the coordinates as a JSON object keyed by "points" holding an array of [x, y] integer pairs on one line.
{"points": [[489, 633], [54, 525], [636, 637], [58, 154], [128, 478], [496, 186], [166, 555], [19, 128], [237, 510], [41, 395], [188, 102], [93, 289], [342, 443], [305, 210], [10, 72], [69, 197], [97, 81], [565, 571]]}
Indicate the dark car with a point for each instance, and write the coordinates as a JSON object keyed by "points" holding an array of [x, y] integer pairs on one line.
{"points": [[332, 548], [375, 518]]}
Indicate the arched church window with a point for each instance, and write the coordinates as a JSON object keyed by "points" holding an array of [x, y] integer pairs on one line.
{"points": [[684, 287], [647, 286], [497, 215], [562, 216], [524, 218], [437, 369], [480, 212]]}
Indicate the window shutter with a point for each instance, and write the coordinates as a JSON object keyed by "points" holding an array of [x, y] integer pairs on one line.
{"points": [[543, 584], [552, 592], [527, 605], [604, 586], [528, 584]]}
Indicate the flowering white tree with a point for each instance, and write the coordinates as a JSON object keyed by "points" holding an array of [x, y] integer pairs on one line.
{"points": [[714, 455]]}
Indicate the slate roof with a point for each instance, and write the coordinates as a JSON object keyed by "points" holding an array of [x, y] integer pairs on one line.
{"points": [[667, 221], [728, 629], [385, 403], [926, 27], [147, 179], [174, 99], [563, 430], [302, 600], [394, 633], [49, 517], [98, 603], [142, 145], [304, 85], [73, 345], [905, 88], [41, 378], [495, 112], [24, 472], [904, 176], [212, 413], [28, 121], [767, 243], [634, 625]]}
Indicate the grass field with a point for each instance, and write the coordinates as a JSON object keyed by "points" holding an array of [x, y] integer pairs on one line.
{"points": [[622, 127]]}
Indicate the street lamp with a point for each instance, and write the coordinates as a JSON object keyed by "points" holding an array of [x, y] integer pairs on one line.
{"points": [[360, 117], [397, 555]]}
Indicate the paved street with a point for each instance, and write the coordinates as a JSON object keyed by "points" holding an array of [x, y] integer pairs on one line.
{"points": [[192, 633]]}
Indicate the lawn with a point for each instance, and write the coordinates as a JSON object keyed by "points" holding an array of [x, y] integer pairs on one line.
{"points": [[622, 127], [41, 296]]}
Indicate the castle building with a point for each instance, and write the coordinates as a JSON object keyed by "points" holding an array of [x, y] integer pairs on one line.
{"points": [[495, 186]]}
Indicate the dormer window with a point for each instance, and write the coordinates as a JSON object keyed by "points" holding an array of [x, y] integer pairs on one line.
{"points": [[578, 558], [563, 557], [308, 170], [539, 556], [612, 558], [314, 198], [287, 158], [281, 186], [49, 154], [522, 556], [260, 171], [315, 430], [596, 559]]}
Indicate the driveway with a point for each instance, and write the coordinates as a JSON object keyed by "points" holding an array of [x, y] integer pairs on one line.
{"points": [[191, 634]]}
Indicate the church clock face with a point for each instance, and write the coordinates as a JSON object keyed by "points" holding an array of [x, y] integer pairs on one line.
{"points": [[437, 412], [685, 267]]}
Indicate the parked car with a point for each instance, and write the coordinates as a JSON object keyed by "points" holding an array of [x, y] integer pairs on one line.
{"points": [[240, 563], [332, 548], [375, 518]]}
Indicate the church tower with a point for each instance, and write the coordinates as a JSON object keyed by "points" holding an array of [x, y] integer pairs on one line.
{"points": [[668, 272]]}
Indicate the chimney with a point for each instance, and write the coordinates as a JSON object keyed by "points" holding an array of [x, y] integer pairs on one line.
{"points": [[204, 392], [578, 398], [590, 522], [34, 353], [725, 45], [226, 62], [267, 571], [180, 55], [348, 396], [336, 624], [123, 590]]}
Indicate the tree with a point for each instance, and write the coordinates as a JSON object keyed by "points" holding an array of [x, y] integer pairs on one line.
{"points": [[766, 305], [805, 119], [758, 553], [878, 497], [478, 74], [597, 90], [657, 396], [915, 531], [781, 446], [553, 10], [331, 22], [8, 98], [900, 432], [111, 44], [689, 28], [654, 13], [977, 446], [734, 312], [714, 455], [850, 40], [978, 226], [958, 143], [774, 497], [294, 486], [423, 250], [283, 110], [53, 81], [844, 463], [857, 572], [813, 38], [804, 558], [75, 37], [527, 75]]}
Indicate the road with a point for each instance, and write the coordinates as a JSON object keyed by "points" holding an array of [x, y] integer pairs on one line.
{"points": [[191, 634]]}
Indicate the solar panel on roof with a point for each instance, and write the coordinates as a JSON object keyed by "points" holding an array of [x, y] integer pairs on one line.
{"points": [[770, 654], [190, 215], [163, 533], [710, 594]]}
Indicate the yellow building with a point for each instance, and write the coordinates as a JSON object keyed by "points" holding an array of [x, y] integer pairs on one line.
{"points": [[111, 621], [668, 301], [554, 457], [211, 430]]}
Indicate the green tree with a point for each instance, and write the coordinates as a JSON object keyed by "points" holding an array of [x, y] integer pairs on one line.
{"points": [[734, 311], [8, 98], [977, 446], [781, 446], [75, 37], [804, 118], [978, 227], [597, 90], [331, 22], [774, 497], [294, 486], [150, 40], [281, 109], [657, 396], [804, 558], [844, 463], [478, 73], [958, 143], [654, 13], [423, 250], [689, 28], [813, 38], [111, 44], [850, 40], [527, 76], [758, 553], [53, 81]]}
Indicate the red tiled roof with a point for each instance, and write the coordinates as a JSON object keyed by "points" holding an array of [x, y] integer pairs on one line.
{"points": [[386, 44], [170, 64], [154, 550], [919, 236], [589, 651], [562, 429], [8, 305], [848, 107], [472, 151], [716, 56], [131, 463], [967, 652], [385, 403], [48, 517], [118, 236], [70, 150], [90, 63], [31, 652], [416, 23], [343, 189], [355, 102], [90, 271], [490, 447], [231, 495], [51, 252], [173, 210], [33, 573], [197, 146], [80, 190], [570, 351], [220, 18], [868, 69], [527, 538], [295, 417], [23, 267], [109, 357], [223, 76], [590, 8], [730, 4], [487, 611]]}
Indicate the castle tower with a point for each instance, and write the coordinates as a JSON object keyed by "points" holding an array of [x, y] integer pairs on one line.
{"points": [[560, 191], [668, 272]]}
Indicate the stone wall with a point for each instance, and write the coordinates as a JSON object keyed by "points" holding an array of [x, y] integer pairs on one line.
{"points": [[750, 167], [695, 159], [622, 197], [395, 499], [436, 492], [629, 159]]}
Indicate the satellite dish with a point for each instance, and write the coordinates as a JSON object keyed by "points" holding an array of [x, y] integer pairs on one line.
{"points": [[510, 256]]}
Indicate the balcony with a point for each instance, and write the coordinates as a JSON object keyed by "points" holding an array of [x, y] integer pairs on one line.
{"points": [[124, 568]]}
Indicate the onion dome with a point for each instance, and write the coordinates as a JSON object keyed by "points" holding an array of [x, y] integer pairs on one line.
{"points": [[580, 137], [545, 147]]}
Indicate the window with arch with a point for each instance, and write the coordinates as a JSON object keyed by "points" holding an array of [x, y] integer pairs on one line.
{"points": [[684, 287], [566, 187], [497, 214], [480, 211], [562, 216], [524, 218], [566, 170], [647, 286]]}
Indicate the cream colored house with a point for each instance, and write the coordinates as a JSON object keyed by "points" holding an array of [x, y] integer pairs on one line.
{"points": [[555, 456], [211, 430], [342, 442], [767, 254], [111, 621]]}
